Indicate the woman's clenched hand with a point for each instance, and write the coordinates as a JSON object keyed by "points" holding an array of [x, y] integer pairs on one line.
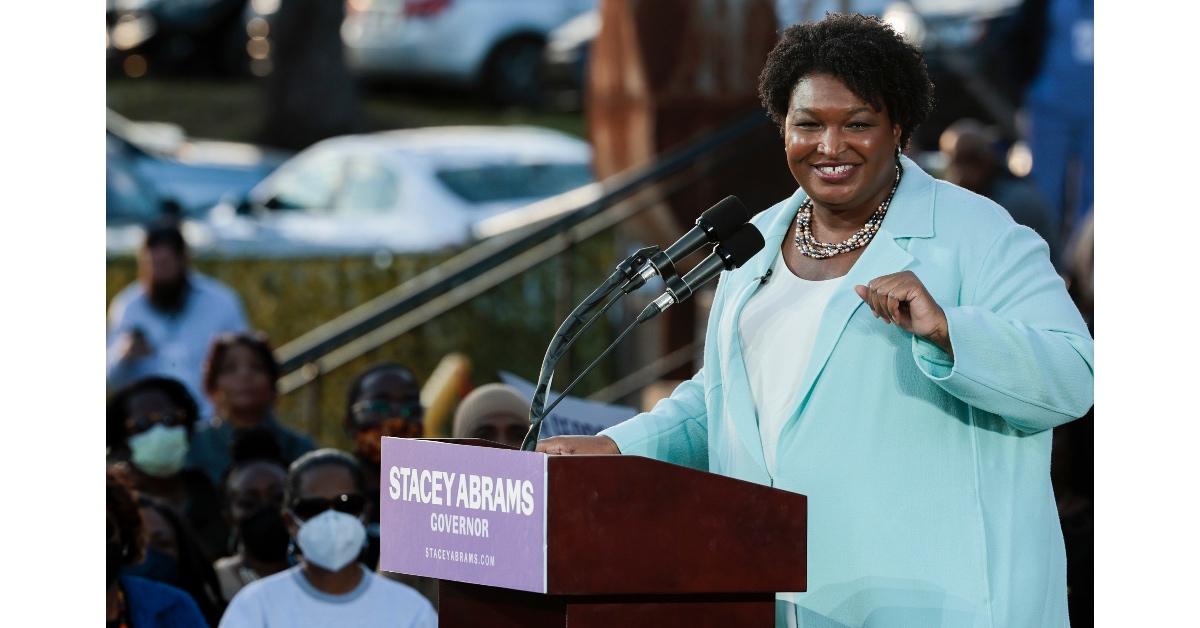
{"points": [[902, 300]]}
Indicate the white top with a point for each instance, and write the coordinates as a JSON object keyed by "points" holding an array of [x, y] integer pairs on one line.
{"points": [[287, 599], [179, 341], [778, 327]]}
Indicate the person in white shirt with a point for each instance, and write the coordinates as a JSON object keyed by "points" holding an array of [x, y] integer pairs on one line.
{"points": [[324, 502], [162, 325]]}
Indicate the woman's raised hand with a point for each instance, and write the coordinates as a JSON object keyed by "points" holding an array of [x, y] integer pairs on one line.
{"points": [[902, 300], [578, 445]]}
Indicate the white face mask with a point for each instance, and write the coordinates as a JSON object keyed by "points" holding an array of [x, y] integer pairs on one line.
{"points": [[159, 451], [332, 539]]}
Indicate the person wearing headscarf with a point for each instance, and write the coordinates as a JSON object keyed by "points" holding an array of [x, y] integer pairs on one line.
{"points": [[494, 412]]}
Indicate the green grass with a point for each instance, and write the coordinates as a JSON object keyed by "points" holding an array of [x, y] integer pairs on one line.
{"points": [[232, 110]]}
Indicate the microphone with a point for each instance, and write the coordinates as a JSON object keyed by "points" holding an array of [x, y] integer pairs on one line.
{"points": [[731, 253], [715, 225]]}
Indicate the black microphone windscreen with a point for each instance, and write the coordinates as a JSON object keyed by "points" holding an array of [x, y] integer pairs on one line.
{"points": [[743, 244], [725, 217]]}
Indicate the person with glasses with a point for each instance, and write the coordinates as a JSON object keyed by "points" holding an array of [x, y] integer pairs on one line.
{"points": [[384, 400], [240, 377], [150, 424], [324, 502], [253, 496]]}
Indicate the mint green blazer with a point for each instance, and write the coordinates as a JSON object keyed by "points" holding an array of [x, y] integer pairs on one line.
{"points": [[928, 478]]}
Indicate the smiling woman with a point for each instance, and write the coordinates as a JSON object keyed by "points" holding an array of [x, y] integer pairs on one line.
{"points": [[847, 98], [919, 426]]}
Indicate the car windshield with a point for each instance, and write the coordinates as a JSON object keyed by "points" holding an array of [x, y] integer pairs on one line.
{"points": [[505, 182], [334, 183], [126, 199]]}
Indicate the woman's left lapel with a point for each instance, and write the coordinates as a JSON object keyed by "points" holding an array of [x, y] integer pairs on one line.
{"points": [[909, 216]]}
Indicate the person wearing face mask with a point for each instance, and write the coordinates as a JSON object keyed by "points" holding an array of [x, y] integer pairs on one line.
{"points": [[173, 556], [134, 602], [323, 508], [494, 412], [149, 430], [254, 509], [162, 324], [239, 377]]}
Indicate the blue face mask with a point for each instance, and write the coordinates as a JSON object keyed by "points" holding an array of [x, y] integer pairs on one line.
{"points": [[155, 566], [159, 451], [332, 539]]}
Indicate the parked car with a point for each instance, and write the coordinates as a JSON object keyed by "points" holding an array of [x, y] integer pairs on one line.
{"points": [[128, 198], [496, 46], [189, 175], [397, 191], [153, 170], [564, 63]]}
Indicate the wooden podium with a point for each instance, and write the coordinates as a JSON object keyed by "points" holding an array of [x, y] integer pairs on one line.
{"points": [[632, 541]]}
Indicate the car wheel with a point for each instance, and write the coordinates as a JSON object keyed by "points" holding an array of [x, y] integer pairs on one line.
{"points": [[513, 73]]}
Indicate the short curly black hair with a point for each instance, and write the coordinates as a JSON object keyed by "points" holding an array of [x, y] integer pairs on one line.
{"points": [[870, 58]]}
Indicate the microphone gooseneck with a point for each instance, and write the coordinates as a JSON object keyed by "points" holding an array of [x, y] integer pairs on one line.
{"points": [[716, 224], [736, 250], [572, 327], [724, 223], [732, 253]]}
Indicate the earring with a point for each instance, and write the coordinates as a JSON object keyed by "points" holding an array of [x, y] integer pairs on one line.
{"points": [[292, 553]]}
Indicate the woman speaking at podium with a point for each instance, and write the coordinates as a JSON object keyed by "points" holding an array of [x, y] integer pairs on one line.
{"points": [[899, 352]]}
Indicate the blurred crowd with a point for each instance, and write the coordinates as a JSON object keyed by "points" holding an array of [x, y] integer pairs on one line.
{"points": [[217, 509]]}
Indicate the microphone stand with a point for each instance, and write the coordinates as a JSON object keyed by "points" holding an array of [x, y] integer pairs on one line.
{"points": [[648, 313], [626, 278]]}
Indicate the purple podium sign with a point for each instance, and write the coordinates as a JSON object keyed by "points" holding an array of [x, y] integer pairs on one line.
{"points": [[463, 513]]}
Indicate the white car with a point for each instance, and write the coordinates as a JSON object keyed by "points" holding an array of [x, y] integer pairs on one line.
{"points": [[493, 44], [395, 191]]}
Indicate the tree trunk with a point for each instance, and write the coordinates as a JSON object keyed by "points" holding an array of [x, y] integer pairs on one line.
{"points": [[310, 95]]}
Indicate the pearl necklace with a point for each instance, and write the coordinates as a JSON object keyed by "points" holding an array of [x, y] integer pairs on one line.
{"points": [[811, 247]]}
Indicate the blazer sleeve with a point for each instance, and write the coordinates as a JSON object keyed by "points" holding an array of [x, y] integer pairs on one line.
{"points": [[675, 430], [1021, 349]]}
